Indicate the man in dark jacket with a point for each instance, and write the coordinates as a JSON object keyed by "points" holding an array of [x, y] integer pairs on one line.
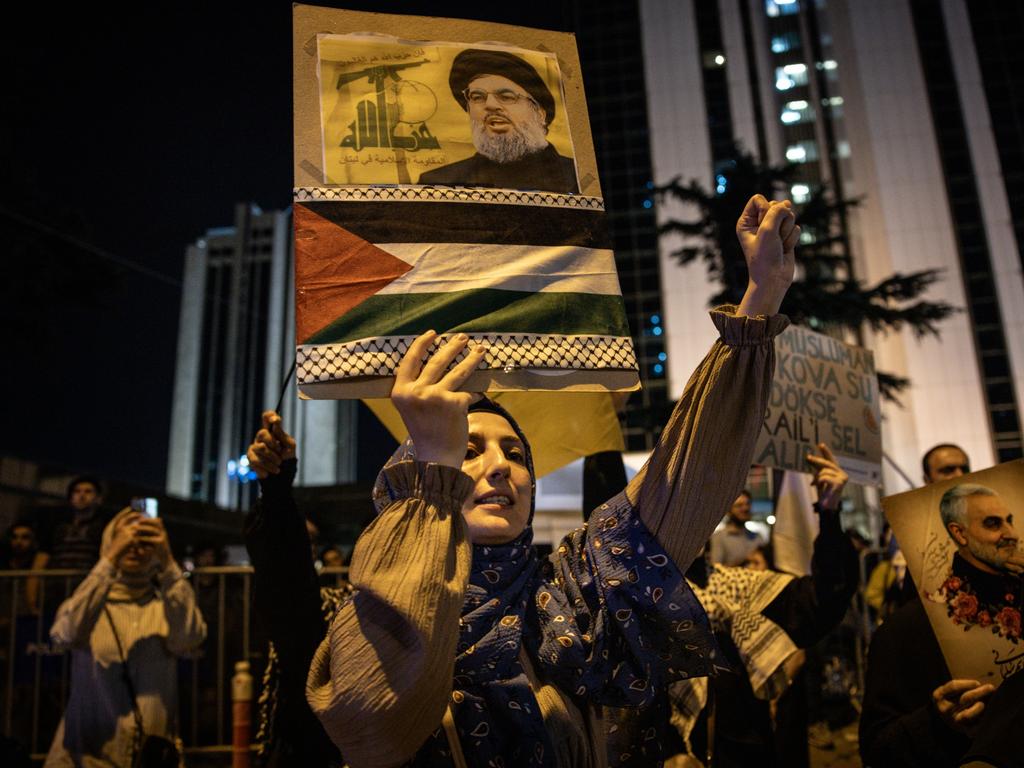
{"points": [[76, 539], [510, 109]]}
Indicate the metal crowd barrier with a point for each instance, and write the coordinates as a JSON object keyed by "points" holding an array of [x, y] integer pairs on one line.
{"points": [[35, 677]]}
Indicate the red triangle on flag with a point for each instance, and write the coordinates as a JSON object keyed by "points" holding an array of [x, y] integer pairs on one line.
{"points": [[334, 271]]}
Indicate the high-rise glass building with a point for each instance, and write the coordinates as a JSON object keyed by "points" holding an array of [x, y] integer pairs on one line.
{"points": [[235, 345], [608, 37], [915, 107]]}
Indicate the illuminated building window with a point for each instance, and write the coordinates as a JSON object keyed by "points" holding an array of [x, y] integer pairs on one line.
{"points": [[790, 76], [802, 152], [781, 7], [798, 111], [787, 41]]}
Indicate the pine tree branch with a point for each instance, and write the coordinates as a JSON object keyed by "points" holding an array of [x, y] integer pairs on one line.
{"points": [[890, 385]]}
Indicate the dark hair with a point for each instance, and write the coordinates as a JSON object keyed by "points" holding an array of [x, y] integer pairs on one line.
{"points": [[8, 535], [21, 522], [748, 494], [768, 551], [928, 454], [91, 479]]}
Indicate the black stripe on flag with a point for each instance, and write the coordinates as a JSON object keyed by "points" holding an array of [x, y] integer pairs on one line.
{"points": [[430, 222]]}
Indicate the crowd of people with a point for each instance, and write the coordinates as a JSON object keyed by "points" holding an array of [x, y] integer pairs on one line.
{"points": [[646, 638], [82, 557]]}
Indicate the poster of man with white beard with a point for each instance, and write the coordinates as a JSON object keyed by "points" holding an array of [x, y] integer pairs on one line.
{"points": [[445, 179], [398, 111]]}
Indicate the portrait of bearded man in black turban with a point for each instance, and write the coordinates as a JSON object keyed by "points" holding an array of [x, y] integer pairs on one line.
{"points": [[510, 109]]}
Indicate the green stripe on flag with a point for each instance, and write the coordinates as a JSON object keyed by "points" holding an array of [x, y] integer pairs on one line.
{"points": [[486, 310]]}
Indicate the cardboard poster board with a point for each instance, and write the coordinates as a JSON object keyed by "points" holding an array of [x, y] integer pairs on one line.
{"points": [[445, 179], [823, 391], [976, 619]]}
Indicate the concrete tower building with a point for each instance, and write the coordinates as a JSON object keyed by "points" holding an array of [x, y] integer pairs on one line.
{"points": [[235, 345]]}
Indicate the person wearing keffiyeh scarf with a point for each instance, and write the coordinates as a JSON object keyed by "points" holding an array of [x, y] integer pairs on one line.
{"points": [[460, 646], [761, 621]]}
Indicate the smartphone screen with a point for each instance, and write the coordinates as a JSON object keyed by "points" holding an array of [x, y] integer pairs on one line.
{"points": [[147, 506]]}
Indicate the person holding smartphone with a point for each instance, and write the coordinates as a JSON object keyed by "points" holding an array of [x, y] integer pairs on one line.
{"points": [[126, 625]]}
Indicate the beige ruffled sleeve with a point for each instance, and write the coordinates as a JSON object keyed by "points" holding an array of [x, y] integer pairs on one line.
{"points": [[77, 615], [701, 460], [380, 681]]}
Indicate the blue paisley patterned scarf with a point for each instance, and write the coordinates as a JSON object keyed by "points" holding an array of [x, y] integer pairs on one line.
{"points": [[610, 621]]}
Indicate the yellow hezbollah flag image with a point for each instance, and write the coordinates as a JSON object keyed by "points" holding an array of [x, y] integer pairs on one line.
{"points": [[406, 112]]}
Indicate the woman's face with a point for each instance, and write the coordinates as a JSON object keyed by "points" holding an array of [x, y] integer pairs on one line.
{"points": [[498, 508]]}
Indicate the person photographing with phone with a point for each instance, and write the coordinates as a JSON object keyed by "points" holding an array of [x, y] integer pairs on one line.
{"points": [[126, 625]]}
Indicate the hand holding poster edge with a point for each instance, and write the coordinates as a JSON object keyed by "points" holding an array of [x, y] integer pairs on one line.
{"points": [[427, 395]]}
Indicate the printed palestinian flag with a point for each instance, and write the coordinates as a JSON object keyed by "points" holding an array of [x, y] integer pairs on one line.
{"points": [[531, 274]]}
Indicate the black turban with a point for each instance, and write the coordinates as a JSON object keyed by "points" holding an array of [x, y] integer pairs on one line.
{"points": [[473, 63]]}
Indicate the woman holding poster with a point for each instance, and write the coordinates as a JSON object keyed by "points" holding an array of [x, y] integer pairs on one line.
{"points": [[460, 647]]}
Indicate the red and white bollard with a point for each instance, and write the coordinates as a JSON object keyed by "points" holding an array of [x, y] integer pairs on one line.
{"points": [[241, 716]]}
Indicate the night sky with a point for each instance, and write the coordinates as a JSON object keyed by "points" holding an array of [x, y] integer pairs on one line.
{"points": [[126, 135]]}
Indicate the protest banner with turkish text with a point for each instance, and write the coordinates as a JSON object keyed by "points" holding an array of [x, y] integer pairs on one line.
{"points": [[824, 391]]}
